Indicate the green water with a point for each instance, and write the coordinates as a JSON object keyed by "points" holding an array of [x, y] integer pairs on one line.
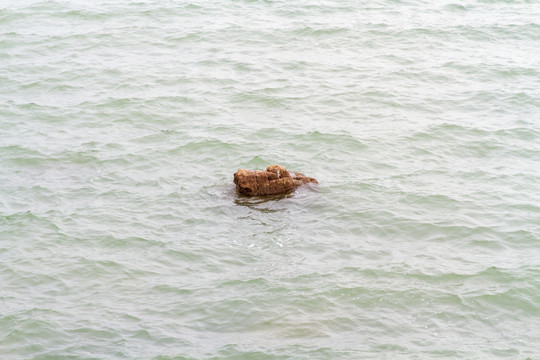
{"points": [[122, 236]]}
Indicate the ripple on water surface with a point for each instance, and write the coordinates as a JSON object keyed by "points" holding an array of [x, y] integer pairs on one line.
{"points": [[121, 233]]}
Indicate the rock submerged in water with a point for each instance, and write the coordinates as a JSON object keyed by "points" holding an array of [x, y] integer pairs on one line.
{"points": [[274, 180]]}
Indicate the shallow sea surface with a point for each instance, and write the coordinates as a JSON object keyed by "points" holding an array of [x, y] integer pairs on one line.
{"points": [[122, 123]]}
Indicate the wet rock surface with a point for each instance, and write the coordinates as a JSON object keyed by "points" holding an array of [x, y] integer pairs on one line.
{"points": [[274, 180]]}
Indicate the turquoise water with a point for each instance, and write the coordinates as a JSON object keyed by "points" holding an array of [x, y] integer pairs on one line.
{"points": [[122, 123]]}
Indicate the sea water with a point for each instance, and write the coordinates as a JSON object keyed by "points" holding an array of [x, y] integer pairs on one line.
{"points": [[122, 235]]}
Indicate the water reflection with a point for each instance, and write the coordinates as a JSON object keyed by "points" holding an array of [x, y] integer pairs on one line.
{"points": [[269, 203], [264, 204]]}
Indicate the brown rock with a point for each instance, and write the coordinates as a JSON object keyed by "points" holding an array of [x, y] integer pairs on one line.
{"points": [[274, 180]]}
